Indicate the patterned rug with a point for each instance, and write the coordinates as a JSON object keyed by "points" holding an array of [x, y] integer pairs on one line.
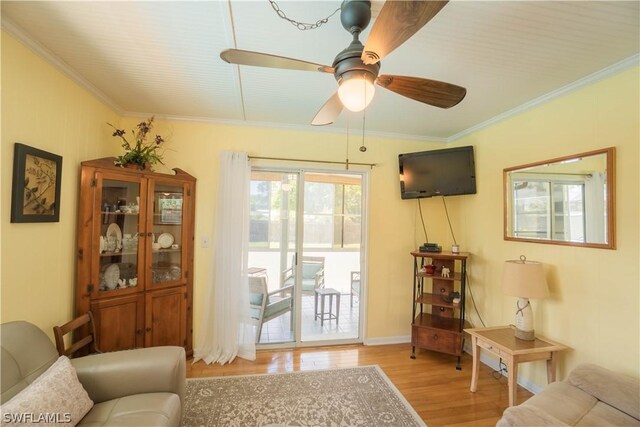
{"points": [[361, 396]]}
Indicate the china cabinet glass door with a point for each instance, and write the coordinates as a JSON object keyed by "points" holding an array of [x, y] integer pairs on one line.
{"points": [[118, 241], [165, 224]]}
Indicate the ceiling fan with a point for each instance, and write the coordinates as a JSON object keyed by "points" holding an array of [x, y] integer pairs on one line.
{"points": [[357, 67]]}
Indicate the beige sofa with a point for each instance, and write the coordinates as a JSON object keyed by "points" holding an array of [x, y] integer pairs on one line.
{"points": [[591, 396], [143, 387]]}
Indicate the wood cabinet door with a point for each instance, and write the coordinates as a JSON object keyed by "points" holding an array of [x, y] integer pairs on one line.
{"points": [[169, 225], [166, 314], [119, 322], [118, 251]]}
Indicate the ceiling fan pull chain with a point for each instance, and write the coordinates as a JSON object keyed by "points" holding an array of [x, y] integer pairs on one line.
{"points": [[302, 26], [347, 162], [364, 115]]}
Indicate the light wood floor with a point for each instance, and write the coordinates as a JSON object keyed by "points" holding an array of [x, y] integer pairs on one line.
{"points": [[430, 383]]}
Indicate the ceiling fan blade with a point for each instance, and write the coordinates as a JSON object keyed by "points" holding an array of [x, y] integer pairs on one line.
{"points": [[329, 111], [432, 92], [257, 59], [396, 23]]}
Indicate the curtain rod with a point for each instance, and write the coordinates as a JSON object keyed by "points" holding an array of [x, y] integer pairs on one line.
{"points": [[347, 163]]}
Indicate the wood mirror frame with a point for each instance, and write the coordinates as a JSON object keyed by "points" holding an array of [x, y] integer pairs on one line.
{"points": [[568, 171]]}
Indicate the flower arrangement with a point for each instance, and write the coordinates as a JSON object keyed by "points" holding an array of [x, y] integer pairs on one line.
{"points": [[141, 152]]}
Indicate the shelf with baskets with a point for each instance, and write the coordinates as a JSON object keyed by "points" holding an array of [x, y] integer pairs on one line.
{"points": [[439, 302]]}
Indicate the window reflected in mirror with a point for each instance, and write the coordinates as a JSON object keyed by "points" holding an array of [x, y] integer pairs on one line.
{"points": [[568, 200]]}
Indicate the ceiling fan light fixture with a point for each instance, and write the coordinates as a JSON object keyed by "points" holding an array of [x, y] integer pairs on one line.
{"points": [[356, 90]]}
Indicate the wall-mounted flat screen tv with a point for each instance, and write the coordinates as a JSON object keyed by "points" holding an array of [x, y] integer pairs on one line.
{"points": [[447, 172]]}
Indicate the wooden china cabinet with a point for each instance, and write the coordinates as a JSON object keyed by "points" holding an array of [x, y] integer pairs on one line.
{"points": [[135, 255]]}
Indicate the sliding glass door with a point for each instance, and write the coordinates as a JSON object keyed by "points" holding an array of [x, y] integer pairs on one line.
{"points": [[313, 289], [272, 252], [332, 241]]}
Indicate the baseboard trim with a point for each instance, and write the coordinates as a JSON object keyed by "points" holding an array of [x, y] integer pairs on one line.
{"points": [[404, 339], [493, 363]]}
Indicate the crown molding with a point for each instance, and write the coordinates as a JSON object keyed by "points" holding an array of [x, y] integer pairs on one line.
{"points": [[17, 32], [578, 84], [286, 126]]}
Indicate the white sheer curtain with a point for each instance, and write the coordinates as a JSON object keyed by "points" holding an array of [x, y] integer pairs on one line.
{"points": [[227, 330]]}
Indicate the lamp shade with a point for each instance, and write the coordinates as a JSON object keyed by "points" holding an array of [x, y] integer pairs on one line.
{"points": [[356, 90], [524, 279]]}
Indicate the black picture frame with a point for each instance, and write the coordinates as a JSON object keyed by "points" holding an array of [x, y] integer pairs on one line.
{"points": [[37, 177]]}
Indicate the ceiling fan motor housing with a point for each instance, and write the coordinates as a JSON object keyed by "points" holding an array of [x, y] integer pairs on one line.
{"points": [[355, 15], [349, 62]]}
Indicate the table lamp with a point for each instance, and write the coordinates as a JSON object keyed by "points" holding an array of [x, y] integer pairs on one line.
{"points": [[524, 279]]}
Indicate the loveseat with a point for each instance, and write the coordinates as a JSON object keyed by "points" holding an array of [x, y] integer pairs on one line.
{"points": [[590, 396], [141, 387]]}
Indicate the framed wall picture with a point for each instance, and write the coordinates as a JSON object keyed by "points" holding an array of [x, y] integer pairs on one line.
{"points": [[37, 176], [168, 208]]}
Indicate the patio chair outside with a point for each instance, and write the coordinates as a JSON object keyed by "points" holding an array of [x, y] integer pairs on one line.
{"points": [[355, 285], [312, 274], [267, 305]]}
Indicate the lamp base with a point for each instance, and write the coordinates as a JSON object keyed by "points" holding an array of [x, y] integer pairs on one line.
{"points": [[525, 335], [524, 320]]}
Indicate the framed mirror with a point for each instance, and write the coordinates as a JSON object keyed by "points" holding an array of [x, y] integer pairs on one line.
{"points": [[564, 201]]}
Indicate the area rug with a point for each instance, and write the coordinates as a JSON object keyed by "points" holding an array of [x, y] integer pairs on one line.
{"points": [[362, 396]]}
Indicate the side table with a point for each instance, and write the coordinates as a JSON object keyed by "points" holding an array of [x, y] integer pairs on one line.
{"points": [[326, 315], [501, 341]]}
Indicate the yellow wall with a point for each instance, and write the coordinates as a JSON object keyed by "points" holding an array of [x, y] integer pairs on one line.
{"points": [[594, 306], [43, 108], [392, 224]]}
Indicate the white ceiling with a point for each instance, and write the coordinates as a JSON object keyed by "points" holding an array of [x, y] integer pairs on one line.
{"points": [[162, 57]]}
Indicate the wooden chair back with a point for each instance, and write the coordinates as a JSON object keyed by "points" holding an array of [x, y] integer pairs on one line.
{"points": [[79, 322]]}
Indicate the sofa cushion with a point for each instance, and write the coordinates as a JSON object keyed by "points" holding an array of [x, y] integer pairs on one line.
{"points": [[591, 396], [527, 416], [615, 389], [603, 415], [149, 409], [563, 401], [57, 392]]}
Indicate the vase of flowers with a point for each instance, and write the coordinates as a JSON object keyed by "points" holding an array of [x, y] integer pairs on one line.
{"points": [[141, 152]]}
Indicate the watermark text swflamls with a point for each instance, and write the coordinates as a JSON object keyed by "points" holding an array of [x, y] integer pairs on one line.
{"points": [[33, 418]]}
